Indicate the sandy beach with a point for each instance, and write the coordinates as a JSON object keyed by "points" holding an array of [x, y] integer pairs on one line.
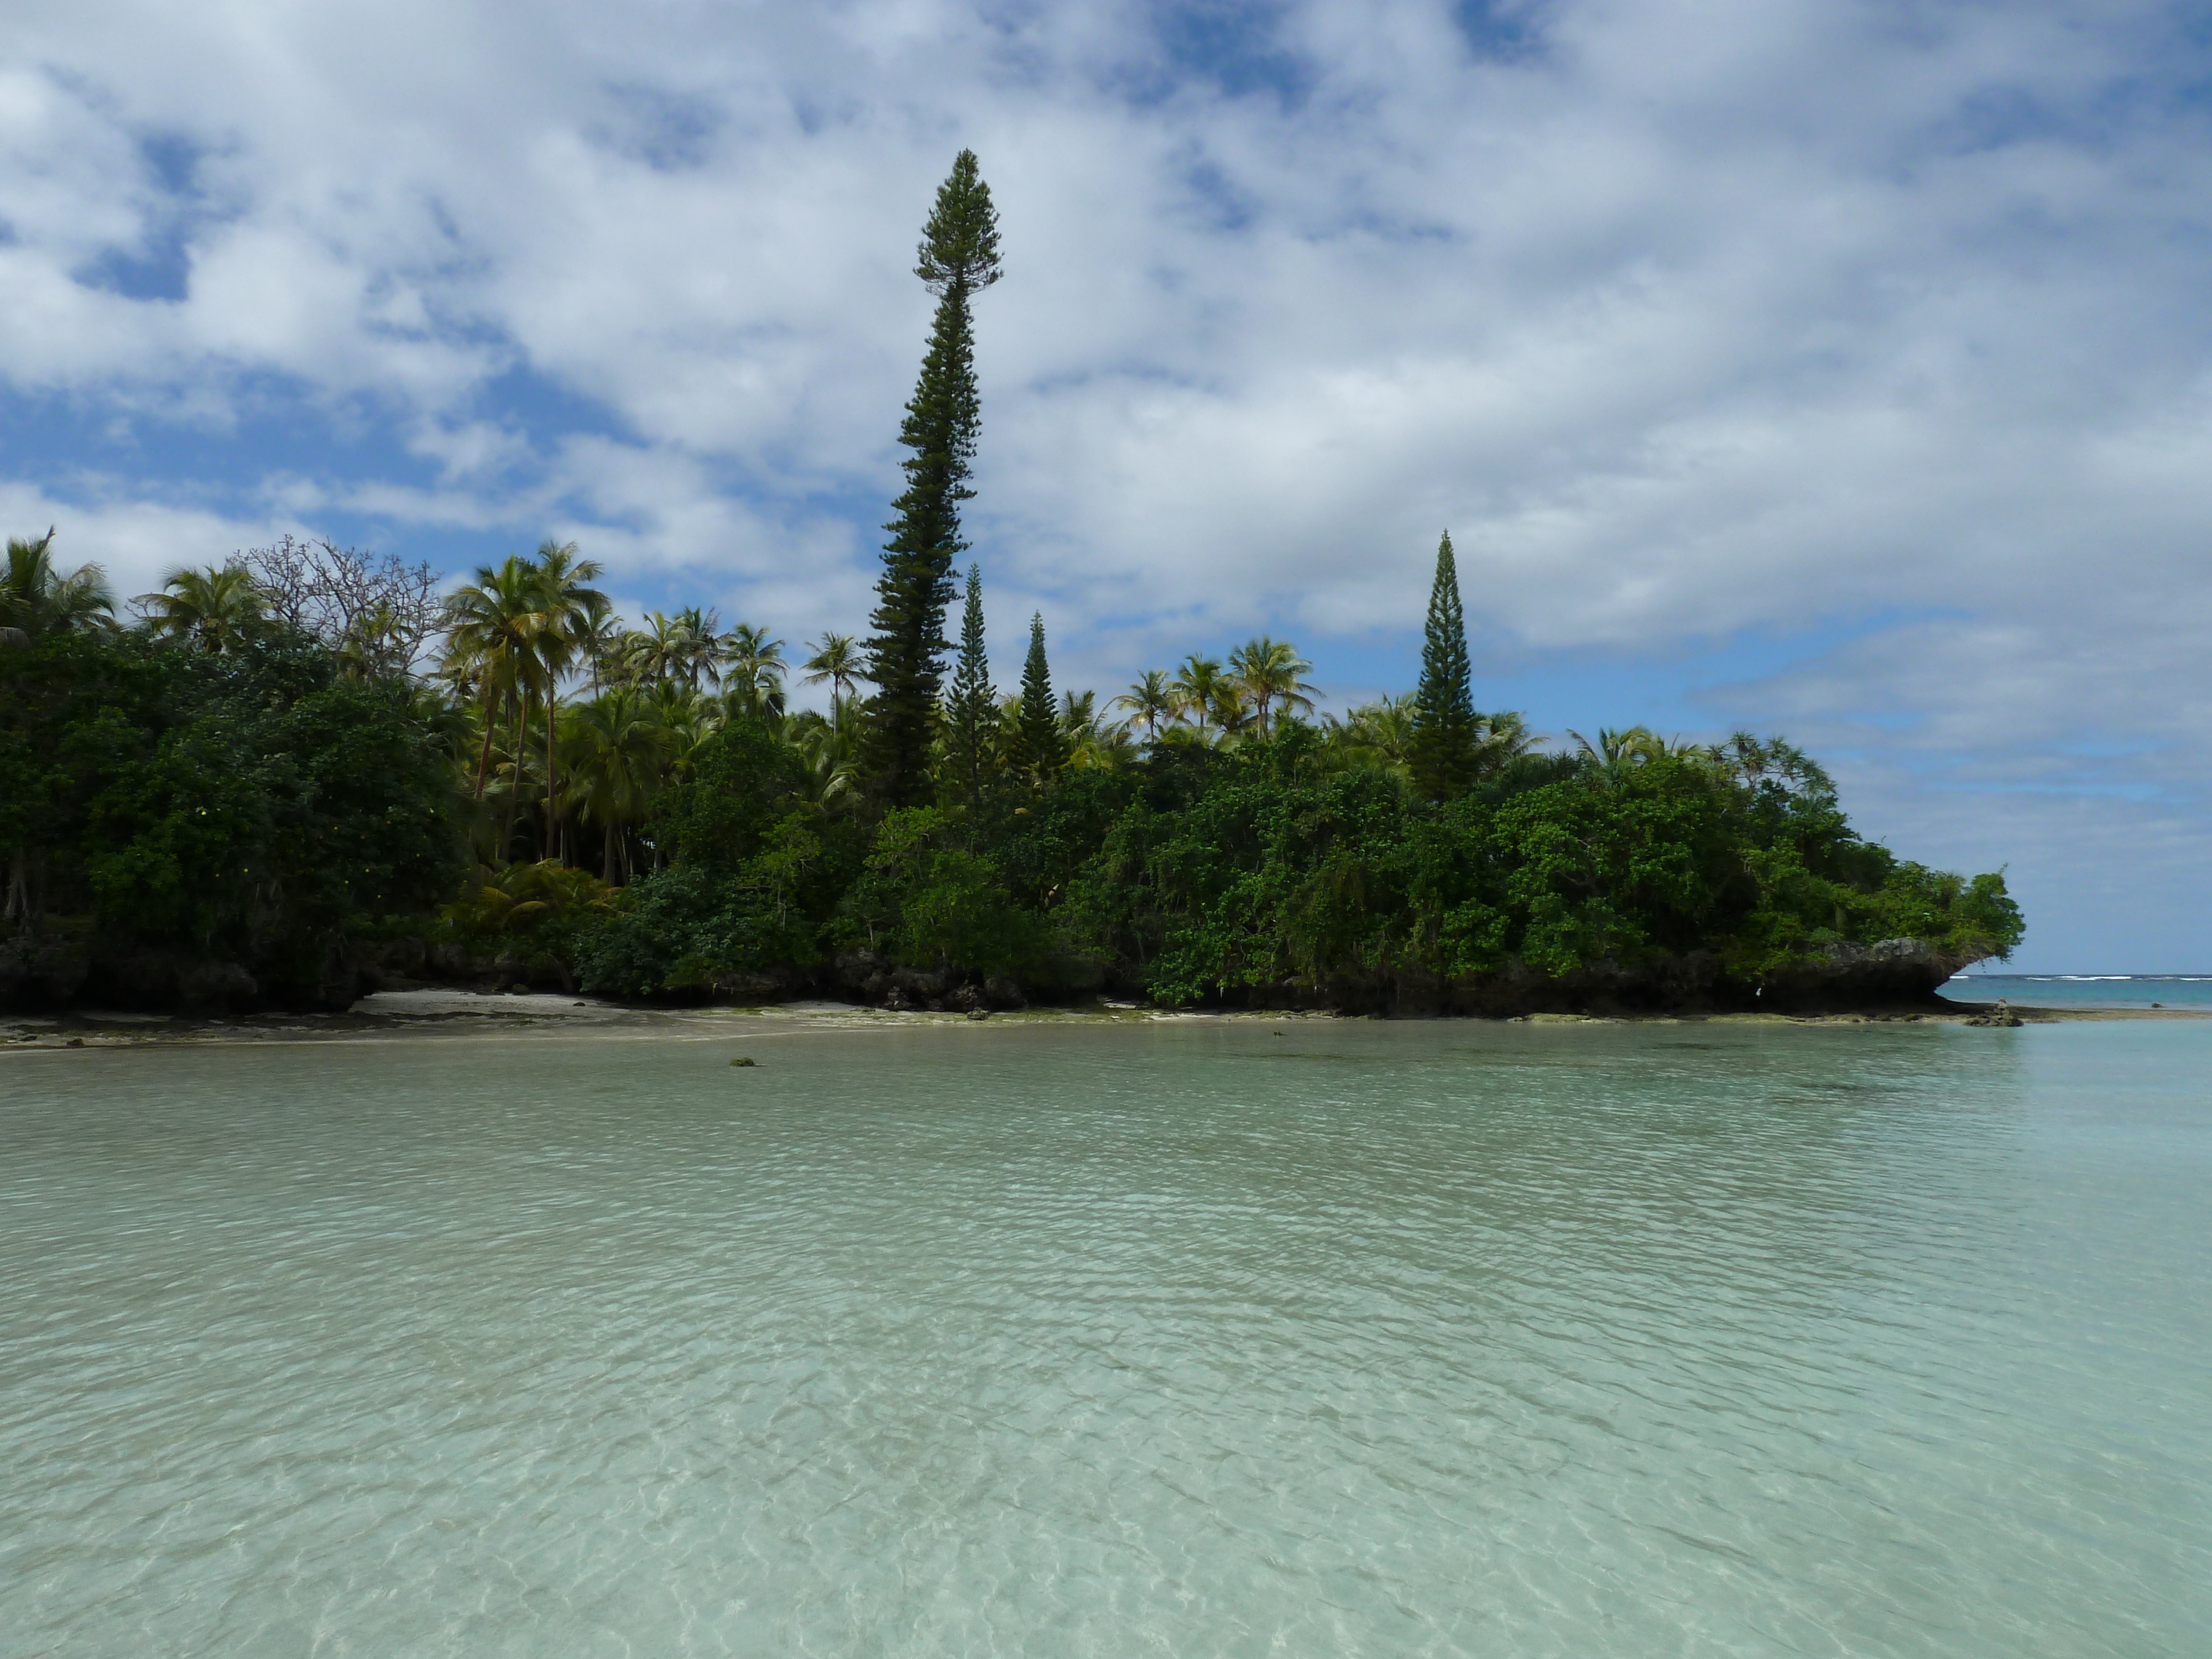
{"points": [[459, 1015]]}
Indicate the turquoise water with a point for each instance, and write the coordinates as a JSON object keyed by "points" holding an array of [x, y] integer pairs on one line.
{"points": [[1443, 1338], [2084, 990]]}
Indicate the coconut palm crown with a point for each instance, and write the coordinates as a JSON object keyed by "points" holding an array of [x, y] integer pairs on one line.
{"points": [[210, 610], [36, 598]]}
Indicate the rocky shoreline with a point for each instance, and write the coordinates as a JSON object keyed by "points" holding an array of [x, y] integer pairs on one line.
{"points": [[462, 1015], [60, 973]]}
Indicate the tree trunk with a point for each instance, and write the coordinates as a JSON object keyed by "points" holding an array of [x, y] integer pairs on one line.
{"points": [[483, 758], [19, 887], [514, 793], [552, 812]]}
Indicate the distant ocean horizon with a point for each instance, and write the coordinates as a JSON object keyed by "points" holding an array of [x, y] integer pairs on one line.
{"points": [[2084, 990]]}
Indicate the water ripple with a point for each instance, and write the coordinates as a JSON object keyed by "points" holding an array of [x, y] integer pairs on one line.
{"points": [[1441, 1339]]}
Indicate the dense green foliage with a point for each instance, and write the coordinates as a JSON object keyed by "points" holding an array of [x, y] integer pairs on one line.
{"points": [[1280, 869], [235, 788], [248, 805], [958, 258]]}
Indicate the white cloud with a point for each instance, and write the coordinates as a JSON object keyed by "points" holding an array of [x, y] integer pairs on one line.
{"points": [[135, 542]]}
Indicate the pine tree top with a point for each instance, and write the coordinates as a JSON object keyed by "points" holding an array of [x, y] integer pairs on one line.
{"points": [[960, 244], [1444, 725], [1039, 716], [1036, 672], [974, 666]]}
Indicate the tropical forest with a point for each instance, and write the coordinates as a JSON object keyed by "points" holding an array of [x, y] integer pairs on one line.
{"points": [[306, 771]]}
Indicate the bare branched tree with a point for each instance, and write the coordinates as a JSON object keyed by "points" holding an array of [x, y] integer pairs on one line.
{"points": [[373, 611]]}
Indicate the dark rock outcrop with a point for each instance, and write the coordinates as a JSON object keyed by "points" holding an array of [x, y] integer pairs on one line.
{"points": [[1895, 973], [43, 971], [1900, 974], [60, 969]]}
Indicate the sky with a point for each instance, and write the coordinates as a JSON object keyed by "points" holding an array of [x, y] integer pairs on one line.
{"points": [[1837, 370]]}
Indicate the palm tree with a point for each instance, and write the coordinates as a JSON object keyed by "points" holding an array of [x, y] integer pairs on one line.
{"points": [[1232, 715], [1504, 736], [836, 659], [375, 646], [618, 749], [1086, 738], [753, 665], [568, 616], [1615, 754], [832, 769], [489, 641], [683, 646], [442, 720], [1197, 687], [599, 640], [518, 896], [699, 633], [690, 716], [623, 659], [1673, 748], [1267, 671], [1149, 700], [211, 607], [36, 598], [650, 654], [1384, 730]]}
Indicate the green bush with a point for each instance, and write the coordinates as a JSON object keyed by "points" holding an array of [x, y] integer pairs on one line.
{"points": [[250, 805]]}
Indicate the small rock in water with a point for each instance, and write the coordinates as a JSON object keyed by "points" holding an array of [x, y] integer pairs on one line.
{"points": [[74, 1042], [979, 1013], [744, 1059]]}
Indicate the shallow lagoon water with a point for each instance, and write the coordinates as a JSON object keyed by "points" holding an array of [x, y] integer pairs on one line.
{"points": [[1446, 1338], [2189, 990]]}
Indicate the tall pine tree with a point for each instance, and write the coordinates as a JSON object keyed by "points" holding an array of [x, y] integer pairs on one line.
{"points": [[1037, 742], [959, 259], [972, 707], [1446, 730]]}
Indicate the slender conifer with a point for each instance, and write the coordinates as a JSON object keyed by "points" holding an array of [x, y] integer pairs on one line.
{"points": [[1445, 731], [972, 707], [1036, 720], [959, 258]]}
